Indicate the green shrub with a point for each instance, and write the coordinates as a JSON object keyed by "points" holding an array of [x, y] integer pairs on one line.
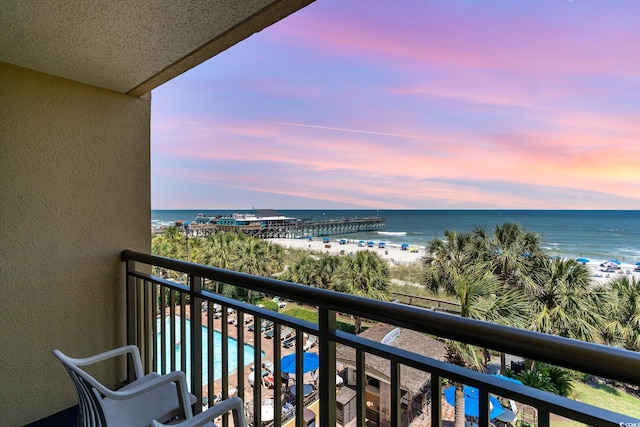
{"points": [[547, 377]]}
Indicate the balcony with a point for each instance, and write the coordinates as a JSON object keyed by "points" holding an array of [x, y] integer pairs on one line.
{"points": [[361, 381]]}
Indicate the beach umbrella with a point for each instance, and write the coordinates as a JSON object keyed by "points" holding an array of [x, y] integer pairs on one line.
{"points": [[582, 260], [511, 380], [472, 401], [615, 261], [638, 263], [310, 362]]}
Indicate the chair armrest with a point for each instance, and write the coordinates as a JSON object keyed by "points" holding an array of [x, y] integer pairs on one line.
{"points": [[234, 404], [120, 351]]}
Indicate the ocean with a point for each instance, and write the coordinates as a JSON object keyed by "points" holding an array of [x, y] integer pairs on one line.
{"points": [[596, 235]]}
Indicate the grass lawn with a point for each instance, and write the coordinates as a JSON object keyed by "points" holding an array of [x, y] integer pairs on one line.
{"points": [[602, 396]]}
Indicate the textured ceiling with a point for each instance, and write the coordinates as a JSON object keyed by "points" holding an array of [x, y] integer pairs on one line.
{"points": [[129, 46]]}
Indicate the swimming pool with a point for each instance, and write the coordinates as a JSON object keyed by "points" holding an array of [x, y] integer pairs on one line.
{"points": [[217, 350]]}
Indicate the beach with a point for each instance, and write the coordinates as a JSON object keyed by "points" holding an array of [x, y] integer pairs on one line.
{"points": [[393, 254], [602, 275]]}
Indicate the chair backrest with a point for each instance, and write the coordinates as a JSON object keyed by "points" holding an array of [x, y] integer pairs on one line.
{"points": [[91, 413]]}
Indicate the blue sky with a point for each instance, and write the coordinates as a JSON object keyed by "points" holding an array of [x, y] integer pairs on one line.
{"points": [[419, 104]]}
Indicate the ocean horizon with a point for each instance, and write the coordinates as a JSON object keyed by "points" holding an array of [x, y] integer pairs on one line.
{"points": [[598, 235]]}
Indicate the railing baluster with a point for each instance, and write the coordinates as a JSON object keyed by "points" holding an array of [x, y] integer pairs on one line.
{"points": [[163, 328], [299, 381], [172, 328], [361, 384], [224, 326], [435, 403], [132, 339], [241, 363], [147, 329], [483, 406], [210, 355], [396, 401], [277, 378], [257, 371], [154, 324], [195, 283], [142, 342], [327, 355], [183, 332], [544, 417]]}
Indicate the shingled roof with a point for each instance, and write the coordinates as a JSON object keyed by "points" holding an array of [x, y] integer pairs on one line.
{"points": [[411, 379]]}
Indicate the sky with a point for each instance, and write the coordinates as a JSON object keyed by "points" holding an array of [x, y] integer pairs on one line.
{"points": [[412, 104]]}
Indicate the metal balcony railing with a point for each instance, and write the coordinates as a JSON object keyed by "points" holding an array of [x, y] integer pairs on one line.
{"points": [[161, 311]]}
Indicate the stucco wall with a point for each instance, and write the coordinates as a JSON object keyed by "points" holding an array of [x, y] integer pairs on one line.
{"points": [[74, 192]]}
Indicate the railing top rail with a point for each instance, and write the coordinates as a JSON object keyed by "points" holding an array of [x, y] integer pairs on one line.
{"points": [[609, 362]]}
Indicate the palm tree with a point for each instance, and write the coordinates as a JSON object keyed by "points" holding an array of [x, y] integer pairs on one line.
{"points": [[275, 255], [511, 252], [622, 312], [444, 258], [305, 271], [563, 302], [481, 297], [329, 265], [249, 257], [364, 274], [455, 266]]}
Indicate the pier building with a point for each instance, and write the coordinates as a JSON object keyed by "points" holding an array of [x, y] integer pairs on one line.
{"points": [[270, 224]]}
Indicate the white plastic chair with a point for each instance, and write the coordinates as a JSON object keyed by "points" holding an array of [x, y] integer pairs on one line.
{"points": [[233, 404], [147, 398]]}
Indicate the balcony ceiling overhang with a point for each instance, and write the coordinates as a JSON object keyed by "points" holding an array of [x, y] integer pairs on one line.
{"points": [[128, 46]]}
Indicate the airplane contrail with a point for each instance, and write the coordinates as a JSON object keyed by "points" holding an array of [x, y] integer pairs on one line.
{"points": [[350, 130]]}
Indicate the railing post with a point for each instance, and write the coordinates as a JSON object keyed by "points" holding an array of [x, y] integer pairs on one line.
{"points": [[483, 407], [195, 284], [361, 383], [327, 353], [396, 401], [436, 400], [132, 339]]}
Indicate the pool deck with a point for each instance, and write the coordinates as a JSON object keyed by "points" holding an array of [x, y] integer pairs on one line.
{"points": [[266, 345]]}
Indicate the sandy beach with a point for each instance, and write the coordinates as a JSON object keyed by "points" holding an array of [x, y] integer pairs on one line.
{"points": [[393, 254], [600, 275]]}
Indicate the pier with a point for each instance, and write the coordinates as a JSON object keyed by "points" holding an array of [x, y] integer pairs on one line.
{"points": [[293, 229]]}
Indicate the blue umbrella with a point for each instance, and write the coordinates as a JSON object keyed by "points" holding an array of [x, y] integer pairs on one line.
{"points": [[615, 261], [511, 380], [638, 263], [310, 362], [472, 403], [583, 260]]}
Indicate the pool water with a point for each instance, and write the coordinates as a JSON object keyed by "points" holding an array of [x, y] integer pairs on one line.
{"points": [[217, 351]]}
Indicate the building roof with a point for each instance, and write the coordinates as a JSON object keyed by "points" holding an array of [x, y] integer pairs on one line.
{"points": [[267, 213], [411, 379], [128, 46]]}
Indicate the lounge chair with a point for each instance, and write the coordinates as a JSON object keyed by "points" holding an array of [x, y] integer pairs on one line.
{"points": [[311, 341], [286, 333], [269, 333], [252, 326], [289, 342]]}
